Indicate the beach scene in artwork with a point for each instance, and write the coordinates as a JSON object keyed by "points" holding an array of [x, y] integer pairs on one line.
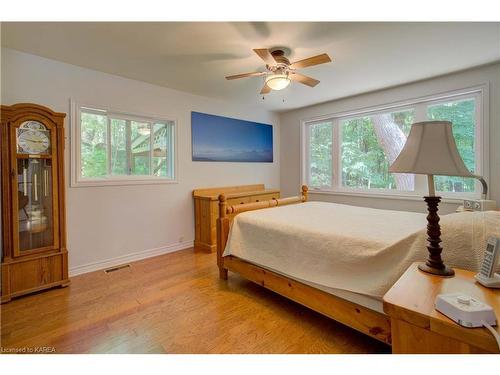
{"points": [[217, 138]]}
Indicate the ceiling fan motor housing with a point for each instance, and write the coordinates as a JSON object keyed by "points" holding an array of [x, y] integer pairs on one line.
{"points": [[279, 57]]}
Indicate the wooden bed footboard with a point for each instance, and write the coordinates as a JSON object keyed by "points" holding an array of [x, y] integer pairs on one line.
{"points": [[227, 213], [363, 319]]}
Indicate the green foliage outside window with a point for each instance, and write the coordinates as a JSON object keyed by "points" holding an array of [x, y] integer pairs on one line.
{"points": [[93, 145], [364, 164], [162, 133], [140, 148], [118, 147], [462, 115], [320, 154], [130, 149]]}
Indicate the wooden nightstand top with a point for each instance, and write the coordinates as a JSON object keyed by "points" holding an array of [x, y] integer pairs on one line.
{"points": [[412, 297]]}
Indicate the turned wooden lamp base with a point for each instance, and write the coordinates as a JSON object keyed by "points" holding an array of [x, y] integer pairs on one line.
{"points": [[434, 263], [445, 272]]}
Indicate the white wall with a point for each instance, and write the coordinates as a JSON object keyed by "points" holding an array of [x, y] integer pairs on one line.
{"points": [[290, 132], [112, 222]]}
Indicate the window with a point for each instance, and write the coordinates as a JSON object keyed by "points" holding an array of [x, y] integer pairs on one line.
{"points": [[113, 148], [352, 153], [320, 154]]}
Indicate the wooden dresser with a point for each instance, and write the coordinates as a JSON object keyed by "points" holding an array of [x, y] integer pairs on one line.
{"points": [[206, 209]]}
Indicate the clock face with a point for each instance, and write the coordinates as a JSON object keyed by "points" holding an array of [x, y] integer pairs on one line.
{"points": [[33, 138]]}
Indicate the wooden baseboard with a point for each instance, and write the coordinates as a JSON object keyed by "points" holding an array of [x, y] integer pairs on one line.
{"points": [[100, 265]]}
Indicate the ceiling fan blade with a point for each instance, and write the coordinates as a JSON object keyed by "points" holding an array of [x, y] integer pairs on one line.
{"points": [[244, 75], [303, 79], [265, 89], [265, 55], [315, 60]]}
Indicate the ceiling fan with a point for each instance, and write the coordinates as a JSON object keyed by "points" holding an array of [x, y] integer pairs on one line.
{"points": [[279, 71]]}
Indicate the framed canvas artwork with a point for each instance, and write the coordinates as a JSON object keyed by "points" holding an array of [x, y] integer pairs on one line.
{"points": [[217, 138]]}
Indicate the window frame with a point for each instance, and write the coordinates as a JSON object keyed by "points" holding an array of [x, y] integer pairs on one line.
{"points": [[116, 180], [420, 105]]}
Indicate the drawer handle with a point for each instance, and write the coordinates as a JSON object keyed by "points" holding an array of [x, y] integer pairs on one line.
{"points": [[256, 200], [242, 202]]}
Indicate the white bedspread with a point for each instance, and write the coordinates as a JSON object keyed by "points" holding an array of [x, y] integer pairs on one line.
{"points": [[358, 249]]}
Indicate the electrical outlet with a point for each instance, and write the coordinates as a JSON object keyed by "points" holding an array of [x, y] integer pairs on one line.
{"points": [[479, 205]]}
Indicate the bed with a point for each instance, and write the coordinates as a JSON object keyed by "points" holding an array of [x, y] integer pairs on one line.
{"points": [[334, 258]]}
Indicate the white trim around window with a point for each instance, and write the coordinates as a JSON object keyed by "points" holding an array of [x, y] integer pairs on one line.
{"points": [[481, 138], [77, 180]]}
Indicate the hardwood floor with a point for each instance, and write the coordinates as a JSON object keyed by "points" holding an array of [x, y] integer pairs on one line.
{"points": [[174, 303]]}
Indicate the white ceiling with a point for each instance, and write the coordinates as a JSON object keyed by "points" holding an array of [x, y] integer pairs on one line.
{"points": [[195, 57]]}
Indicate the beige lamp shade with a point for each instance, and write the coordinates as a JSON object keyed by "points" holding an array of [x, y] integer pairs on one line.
{"points": [[430, 149]]}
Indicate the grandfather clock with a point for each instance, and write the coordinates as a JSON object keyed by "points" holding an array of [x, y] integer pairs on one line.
{"points": [[34, 254]]}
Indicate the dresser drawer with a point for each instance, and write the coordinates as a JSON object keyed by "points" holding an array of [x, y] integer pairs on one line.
{"points": [[239, 200], [264, 197]]}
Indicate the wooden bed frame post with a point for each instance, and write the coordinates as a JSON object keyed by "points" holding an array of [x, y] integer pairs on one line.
{"points": [[222, 233], [305, 194]]}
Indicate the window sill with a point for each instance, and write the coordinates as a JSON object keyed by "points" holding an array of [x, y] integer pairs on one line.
{"points": [[122, 182], [407, 197]]}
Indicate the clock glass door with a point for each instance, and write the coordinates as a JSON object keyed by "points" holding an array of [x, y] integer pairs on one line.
{"points": [[35, 189]]}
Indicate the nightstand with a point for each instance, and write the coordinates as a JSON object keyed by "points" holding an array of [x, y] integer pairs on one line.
{"points": [[416, 327]]}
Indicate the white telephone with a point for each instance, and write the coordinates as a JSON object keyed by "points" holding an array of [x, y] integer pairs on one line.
{"points": [[487, 275]]}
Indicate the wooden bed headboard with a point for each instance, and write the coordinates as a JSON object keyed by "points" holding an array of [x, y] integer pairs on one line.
{"points": [[227, 214]]}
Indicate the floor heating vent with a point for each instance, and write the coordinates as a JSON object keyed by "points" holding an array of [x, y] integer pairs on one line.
{"points": [[109, 270]]}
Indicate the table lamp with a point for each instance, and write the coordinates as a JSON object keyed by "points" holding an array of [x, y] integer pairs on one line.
{"points": [[431, 150]]}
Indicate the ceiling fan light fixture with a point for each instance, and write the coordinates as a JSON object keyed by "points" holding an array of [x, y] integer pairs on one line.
{"points": [[277, 81]]}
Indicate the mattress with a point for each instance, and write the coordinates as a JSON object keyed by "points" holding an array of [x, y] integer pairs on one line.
{"points": [[352, 249]]}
